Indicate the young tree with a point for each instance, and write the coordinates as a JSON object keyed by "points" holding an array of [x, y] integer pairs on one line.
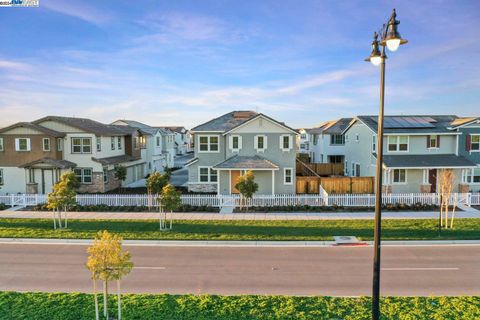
{"points": [[446, 183], [169, 201], [247, 186], [62, 198], [120, 174], [155, 183], [107, 261]]}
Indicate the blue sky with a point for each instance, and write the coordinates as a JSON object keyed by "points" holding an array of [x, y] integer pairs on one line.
{"points": [[185, 62]]}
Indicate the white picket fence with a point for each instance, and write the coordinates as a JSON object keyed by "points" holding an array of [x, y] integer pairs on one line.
{"points": [[280, 200]]}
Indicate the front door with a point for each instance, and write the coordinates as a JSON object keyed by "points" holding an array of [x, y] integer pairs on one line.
{"points": [[432, 179], [234, 174]]}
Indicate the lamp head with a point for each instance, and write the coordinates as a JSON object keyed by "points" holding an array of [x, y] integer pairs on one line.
{"points": [[393, 39], [375, 56]]}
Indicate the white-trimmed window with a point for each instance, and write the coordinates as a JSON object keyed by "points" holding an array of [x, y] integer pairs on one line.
{"points": [[84, 175], [357, 137], [22, 144], [46, 144], [337, 139], [158, 141], [235, 143], [433, 142], [119, 143], [353, 169], [1, 145], [207, 174], [260, 143], [398, 143], [374, 143], [475, 142], [81, 145], [346, 168], [112, 143], [286, 142], [471, 176], [208, 144], [99, 144], [105, 175], [59, 144], [1, 177], [399, 176], [287, 176]]}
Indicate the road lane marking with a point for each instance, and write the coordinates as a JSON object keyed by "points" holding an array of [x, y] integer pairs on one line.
{"points": [[150, 268], [420, 269]]}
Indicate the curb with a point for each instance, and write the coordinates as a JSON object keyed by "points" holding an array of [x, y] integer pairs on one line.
{"points": [[239, 244]]}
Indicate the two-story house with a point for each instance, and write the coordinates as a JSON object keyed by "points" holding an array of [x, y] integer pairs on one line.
{"points": [[415, 149], [183, 145], [303, 141], [469, 148], [328, 142], [240, 141], [36, 154]]}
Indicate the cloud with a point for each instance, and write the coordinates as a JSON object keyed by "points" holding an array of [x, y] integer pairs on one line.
{"points": [[15, 66], [76, 10]]}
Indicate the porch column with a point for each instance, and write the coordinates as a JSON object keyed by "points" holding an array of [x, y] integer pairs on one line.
{"points": [[273, 182], [218, 181], [230, 181]]}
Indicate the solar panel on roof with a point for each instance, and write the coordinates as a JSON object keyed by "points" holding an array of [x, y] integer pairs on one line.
{"points": [[408, 122]]}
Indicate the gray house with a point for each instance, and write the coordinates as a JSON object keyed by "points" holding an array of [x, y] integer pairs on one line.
{"points": [[415, 149], [239, 141], [469, 148]]}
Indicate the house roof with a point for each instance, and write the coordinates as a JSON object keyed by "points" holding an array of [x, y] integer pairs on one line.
{"points": [[460, 122], [165, 130], [410, 123], [56, 163], [144, 128], [84, 124], [426, 161], [322, 127], [226, 122], [115, 159], [247, 162], [29, 125], [337, 127], [191, 161], [177, 129]]}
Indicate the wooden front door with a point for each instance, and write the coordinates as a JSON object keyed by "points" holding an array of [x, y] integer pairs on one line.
{"points": [[432, 179], [234, 174]]}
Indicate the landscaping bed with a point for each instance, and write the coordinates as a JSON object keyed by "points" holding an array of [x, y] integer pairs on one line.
{"points": [[3, 206], [75, 306], [252, 230], [107, 208]]}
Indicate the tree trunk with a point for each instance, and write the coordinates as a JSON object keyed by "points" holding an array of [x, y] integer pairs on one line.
{"points": [[105, 299], [453, 211], [171, 216], [119, 303], [54, 219], [97, 314], [66, 217], [59, 213]]}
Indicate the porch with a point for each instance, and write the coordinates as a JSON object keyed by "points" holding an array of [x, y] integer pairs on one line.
{"points": [[42, 174]]}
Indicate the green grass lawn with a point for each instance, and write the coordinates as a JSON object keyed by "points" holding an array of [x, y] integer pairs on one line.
{"points": [[62, 306], [411, 229]]}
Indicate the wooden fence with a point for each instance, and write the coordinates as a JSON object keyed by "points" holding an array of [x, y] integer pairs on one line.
{"points": [[308, 185], [348, 185], [322, 169]]}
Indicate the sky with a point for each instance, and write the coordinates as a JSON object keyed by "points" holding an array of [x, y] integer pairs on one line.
{"points": [[186, 62]]}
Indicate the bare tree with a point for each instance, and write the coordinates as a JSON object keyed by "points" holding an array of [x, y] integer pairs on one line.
{"points": [[446, 184]]}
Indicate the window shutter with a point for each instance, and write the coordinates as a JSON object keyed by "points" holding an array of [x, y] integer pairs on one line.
{"points": [[17, 144], [239, 142], [438, 141], [428, 141], [230, 142], [468, 142]]}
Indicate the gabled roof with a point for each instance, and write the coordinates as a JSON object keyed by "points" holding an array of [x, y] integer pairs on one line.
{"points": [[337, 127], [247, 162], [56, 163], [177, 129], [464, 121], [84, 124], [32, 126], [408, 124], [144, 128], [115, 159], [165, 130]]}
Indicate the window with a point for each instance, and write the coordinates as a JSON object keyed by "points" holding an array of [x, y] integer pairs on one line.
{"points": [[357, 137], [84, 175], [59, 144], [433, 142], [119, 143], [46, 144], [353, 169], [475, 143], [398, 143], [357, 170], [302, 146], [476, 175], [207, 174], [105, 175], [287, 176], [346, 168], [337, 139], [1, 144], [399, 176], [81, 145], [336, 159], [1, 177], [136, 143], [285, 143], [22, 144], [303, 136], [112, 143], [208, 143], [235, 143], [260, 143], [471, 176], [99, 144], [374, 143], [158, 141]]}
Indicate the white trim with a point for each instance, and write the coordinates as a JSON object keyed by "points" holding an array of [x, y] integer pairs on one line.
{"points": [[49, 145], [191, 162], [430, 167], [260, 115], [425, 177], [209, 175], [265, 143], [471, 142], [398, 144], [285, 176], [229, 181], [230, 143], [421, 133], [17, 144], [208, 143], [246, 169], [2, 148], [399, 183], [290, 142], [273, 182]]}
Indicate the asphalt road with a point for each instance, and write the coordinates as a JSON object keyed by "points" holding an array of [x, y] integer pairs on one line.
{"points": [[339, 271]]}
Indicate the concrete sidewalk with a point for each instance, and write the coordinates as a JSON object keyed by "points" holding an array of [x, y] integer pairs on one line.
{"points": [[240, 216]]}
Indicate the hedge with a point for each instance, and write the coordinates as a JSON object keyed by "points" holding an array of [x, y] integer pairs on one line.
{"points": [[77, 306]]}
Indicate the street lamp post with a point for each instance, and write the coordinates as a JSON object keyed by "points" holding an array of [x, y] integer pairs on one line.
{"points": [[390, 38]]}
